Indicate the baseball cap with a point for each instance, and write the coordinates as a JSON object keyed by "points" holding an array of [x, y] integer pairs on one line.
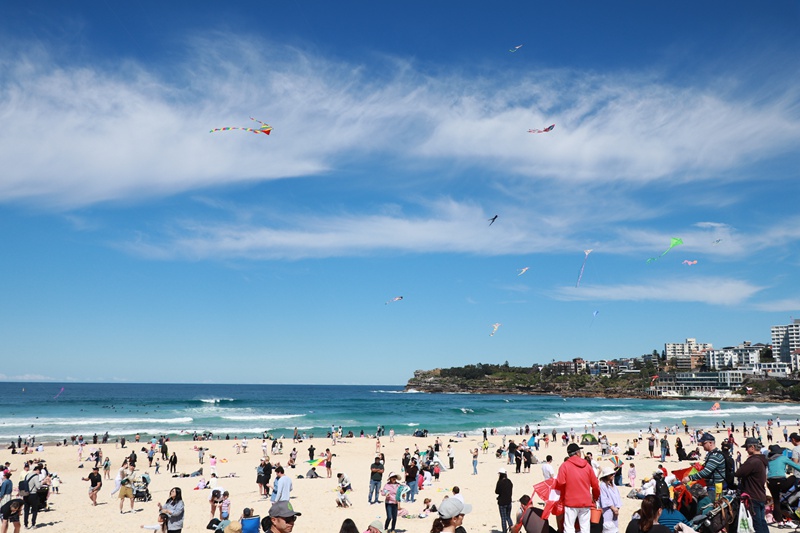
{"points": [[707, 437], [452, 507], [573, 449], [752, 441], [282, 510]]}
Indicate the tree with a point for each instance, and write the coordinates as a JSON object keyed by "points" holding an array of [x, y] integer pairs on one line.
{"points": [[765, 355]]}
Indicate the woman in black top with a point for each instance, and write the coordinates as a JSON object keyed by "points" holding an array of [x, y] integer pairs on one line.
{"points": [[645, 520]]}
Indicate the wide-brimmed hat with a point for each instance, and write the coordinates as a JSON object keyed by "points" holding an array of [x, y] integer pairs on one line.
{"points": [[452, 507], [606, 471], [377, 524]]}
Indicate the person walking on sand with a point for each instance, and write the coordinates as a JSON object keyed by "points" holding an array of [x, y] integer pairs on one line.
{"points": [[579, 489], [390, 501], [547, 468], [174, 509], [126, 489], [95, 484], [475, 462], [504, 489]]}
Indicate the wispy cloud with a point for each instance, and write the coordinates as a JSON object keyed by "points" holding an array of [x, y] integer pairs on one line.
{"points": [[81, 134], [783, 305], [714, 291]]}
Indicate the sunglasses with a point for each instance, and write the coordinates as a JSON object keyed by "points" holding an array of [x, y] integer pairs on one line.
{"points": [[288, 519]]}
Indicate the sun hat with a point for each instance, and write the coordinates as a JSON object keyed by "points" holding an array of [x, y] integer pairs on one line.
{"points": [[452, 507], [606, 471], [282, 510], [377, 524], [391, 475]]}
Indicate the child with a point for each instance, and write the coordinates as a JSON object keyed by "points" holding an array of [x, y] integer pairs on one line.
{"points": [[55, 482], [158, 465], [225, 506], [162, 523], [342, 500], [631, 475]]}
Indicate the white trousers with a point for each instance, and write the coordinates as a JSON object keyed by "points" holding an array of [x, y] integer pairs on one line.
{"points": [[582, 514]]}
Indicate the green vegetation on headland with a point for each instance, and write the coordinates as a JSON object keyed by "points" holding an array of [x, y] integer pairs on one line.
{"points": [[504, 379]]}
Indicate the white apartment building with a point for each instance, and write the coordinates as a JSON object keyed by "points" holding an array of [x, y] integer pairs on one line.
{"points": [[734, 356], [772, 370], [691, 346], [785, 340]]}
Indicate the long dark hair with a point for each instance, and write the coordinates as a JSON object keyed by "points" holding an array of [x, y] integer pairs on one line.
{"points": [[177, 498], [439, 524], [348, 526], [648, 513]]}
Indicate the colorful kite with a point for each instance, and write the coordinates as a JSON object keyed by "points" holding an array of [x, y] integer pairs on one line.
{"points": [[546, 130], [395, 299], [615, 460], [687, 262], [494, 326], [553, 504], [59, 393], [716, 242], [265, 128], [317, 462], [491, 220], [585, 257], [512, 50], [673, 243], [522, 271]]}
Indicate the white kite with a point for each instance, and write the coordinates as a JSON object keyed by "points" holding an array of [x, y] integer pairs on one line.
{"points": [[395, 299], [494, 326], [522, 271]]}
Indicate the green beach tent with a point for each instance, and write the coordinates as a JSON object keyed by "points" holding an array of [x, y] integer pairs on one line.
{"points": [[588, 438]]}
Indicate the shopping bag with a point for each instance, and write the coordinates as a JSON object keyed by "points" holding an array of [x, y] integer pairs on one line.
{"points": [[745, 520]]}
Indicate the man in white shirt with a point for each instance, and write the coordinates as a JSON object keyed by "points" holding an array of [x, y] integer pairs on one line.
{"points": [[283, 486], [547, 468]]}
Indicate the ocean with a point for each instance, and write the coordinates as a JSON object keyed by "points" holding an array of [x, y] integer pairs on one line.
{"points": [[52, 411]]}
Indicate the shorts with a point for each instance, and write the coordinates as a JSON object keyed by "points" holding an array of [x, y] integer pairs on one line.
{"points": [[13, 518], [125, 491], [91, 489]]}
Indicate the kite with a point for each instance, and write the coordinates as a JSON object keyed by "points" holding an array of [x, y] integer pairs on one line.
{"points": [[716, 242], [552, 497], [317, 462], [512, 50], [494, 326], [673, 243], [395, 299], [594, 315], [491, 220], [522, 271], [59, 393], [653, 379], [265, 128], [585, 257], [548, 129], [687, 262], [615, 460]]}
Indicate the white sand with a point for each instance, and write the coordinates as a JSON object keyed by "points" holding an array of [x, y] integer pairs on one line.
{"points": [[71, 510]]}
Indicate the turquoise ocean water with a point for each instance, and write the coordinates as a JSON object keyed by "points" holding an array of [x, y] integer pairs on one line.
{"points": [[50, 413]]}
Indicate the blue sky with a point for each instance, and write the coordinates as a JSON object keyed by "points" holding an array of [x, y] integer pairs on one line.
{"points": [[139, 247]]}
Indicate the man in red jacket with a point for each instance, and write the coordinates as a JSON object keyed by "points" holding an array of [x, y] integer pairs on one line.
{"points": [[579, 489]]}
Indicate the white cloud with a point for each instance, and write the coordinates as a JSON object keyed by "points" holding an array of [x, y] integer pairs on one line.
{"points": [[79, 134], [26, 377], [784, 305], [714, 291]]}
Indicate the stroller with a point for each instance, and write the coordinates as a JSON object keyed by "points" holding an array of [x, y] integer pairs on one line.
{"points": [[789, 504], [43, 493], [141, 492]]}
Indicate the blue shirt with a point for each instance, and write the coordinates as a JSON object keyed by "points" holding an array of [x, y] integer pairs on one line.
{"points": [[777, 466], [671, 518]]}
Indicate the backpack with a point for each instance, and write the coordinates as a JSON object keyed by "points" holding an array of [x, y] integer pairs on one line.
{"points": [[662, 489], [730, 468], [24, 487]]}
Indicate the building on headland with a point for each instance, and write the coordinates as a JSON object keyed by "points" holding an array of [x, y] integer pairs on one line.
{"points": [[746, 353], [697, 383], [768, 370], [785, 340], [691, 346]]}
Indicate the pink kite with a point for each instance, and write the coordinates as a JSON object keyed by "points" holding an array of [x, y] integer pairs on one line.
{"points": [[687, 262], [548, 129]]}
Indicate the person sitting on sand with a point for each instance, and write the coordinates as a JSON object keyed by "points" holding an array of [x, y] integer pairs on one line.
{"points": [[312, 474], [342, 500]]}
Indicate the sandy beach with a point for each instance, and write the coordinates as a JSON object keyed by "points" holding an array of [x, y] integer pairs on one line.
{"points": [[71, 510]]}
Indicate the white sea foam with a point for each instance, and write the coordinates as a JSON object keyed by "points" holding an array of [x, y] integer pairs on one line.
{"points": [[245, 418], [216, 400]]}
